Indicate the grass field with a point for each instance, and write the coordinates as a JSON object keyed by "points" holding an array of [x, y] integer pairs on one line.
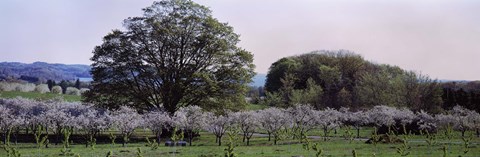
{"points": [[260, 147], [35, 95]]}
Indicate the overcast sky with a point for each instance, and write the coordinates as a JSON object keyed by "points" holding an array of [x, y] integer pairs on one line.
{"points": [[440, 38]]}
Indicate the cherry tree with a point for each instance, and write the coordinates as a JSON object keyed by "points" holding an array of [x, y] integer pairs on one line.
{"points": [[217, 125], [302, 119], [463, 119], [191, 119], [126, 120], [474, 117], [425, 121], [328, 120], [6, 120], [273, 120], [248, 122], [93, 121], [382, 116], [56, 118], [404, 117], [157, 121], [356, 119]]}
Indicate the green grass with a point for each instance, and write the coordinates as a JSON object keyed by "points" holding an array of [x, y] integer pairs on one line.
{"points": [[260, 147], [35, 95]]}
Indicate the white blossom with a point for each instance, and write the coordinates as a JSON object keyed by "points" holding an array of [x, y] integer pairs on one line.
{"points": [[191, 119], [248, 122], [273, 120], [157, 121]]}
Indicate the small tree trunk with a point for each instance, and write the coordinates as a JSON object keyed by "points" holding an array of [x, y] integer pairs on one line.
{"points": [[15, 135], [158, 138], [478, 133], [269, 136], [220, 141], [325, 134], [248, 141], [244, 136], [4, 138], [358, 132], [463, 133], [275, 140], [190, 137]]}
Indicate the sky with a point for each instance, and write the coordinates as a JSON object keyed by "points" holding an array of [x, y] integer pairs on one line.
{"points": [[438, 38]]}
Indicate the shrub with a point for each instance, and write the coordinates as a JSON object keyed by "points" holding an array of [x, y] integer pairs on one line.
{"points": [[27, 87], [42, 88], [72, 91], [57, 89], [7, 86], [83, 90]]}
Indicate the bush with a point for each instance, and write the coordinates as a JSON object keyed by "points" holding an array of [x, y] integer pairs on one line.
{"points": [[83, 90], [27, 87], [42, 88], [7, 86], [72, 91], [57, 90]]}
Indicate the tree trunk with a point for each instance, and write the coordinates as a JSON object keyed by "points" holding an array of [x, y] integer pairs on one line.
{"points": [[478, 133], [463, 133], [15, 135], [325, 134], [248, 141], [4, 138], [274, 140], [244, 136], [358, 132], [190, 138], [159, 136], [269, 136], [220, 141], [57, 138]]}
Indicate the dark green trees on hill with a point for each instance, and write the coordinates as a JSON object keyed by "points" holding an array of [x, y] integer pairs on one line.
{"points": [[343, 79], [175, 55]]}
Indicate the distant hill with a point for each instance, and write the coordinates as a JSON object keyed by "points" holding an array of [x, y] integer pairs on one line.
{"points": [[47, 71], [43, 71]]}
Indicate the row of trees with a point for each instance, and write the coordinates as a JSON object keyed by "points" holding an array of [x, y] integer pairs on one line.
{"points": [[343, 79], [466, 94], [40, 88], [53, 117]]}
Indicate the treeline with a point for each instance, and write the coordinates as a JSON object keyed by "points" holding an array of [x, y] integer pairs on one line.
{"points": [[466, 94], [343, 79], [63, 87]]}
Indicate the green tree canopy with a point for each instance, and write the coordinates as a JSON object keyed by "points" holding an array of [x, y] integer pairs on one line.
{"points": [[343, 79], [175, 55]]}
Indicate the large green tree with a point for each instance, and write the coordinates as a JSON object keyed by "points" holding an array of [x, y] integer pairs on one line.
{"points": [[175, 55]]}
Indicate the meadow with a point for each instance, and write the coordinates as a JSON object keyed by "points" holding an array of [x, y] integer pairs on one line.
{"points": [[205, 146]]}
